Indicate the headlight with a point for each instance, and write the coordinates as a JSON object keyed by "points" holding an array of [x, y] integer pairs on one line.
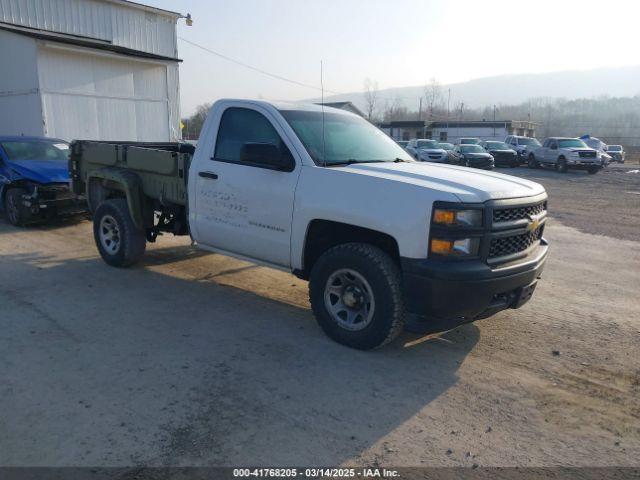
{"points": [[463, 247], [457, 218]]}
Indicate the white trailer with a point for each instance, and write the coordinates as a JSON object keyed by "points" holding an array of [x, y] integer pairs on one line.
{"points": [[91, 69]]}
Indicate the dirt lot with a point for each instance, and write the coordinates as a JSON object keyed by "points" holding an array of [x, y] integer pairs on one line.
{"points": [[198, 359]]}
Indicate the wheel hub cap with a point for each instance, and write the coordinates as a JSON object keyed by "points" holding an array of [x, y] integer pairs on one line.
{"points": [[109, 234], [349, 299]]}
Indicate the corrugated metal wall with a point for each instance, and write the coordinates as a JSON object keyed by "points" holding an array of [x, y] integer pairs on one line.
{"points": [[20, 107], [123, 25]]}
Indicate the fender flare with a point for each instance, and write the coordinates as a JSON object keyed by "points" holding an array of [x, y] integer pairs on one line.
{"points": [[127, 182]]}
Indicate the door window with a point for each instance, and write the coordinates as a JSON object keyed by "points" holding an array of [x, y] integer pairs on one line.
{"points": [[240, 127]]}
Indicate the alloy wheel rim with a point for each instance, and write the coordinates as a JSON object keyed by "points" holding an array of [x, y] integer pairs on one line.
{"points": [[109, 234], [349, 299]]}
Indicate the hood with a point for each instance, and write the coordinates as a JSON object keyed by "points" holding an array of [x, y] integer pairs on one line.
{"points": [[41, 171], [476, 155], [466, 184], [580, 149], [439, 151], [502, 150]]}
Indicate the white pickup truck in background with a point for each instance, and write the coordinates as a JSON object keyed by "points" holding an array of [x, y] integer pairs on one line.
{"points": [[564, 153], [329, 197]]}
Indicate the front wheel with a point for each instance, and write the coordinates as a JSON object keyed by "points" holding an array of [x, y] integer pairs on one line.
{"points": [[13, 209], [561, 166], [532, 162], [593, 170], [119, 241], [356, 295]]}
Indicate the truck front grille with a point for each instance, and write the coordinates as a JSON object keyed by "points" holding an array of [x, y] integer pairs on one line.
{"points": [[517, 243], [518, 213], [587, 154]]}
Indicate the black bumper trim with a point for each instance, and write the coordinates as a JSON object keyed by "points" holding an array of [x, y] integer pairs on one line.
{"points": [[470, 289]]}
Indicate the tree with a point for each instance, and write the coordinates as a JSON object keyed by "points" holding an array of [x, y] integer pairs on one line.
{"points": [[394, 110], [194, 123], [370, 97], [433, 96]]}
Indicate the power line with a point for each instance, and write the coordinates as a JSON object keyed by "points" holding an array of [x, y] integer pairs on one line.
{"points": [[255, 69]]}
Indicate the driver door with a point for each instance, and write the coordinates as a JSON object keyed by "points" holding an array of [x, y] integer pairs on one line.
{"points": [[245, 204]]}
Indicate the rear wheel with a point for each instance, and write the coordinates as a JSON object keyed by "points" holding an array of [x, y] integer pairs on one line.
{"points": [[119, 241], [13, 208], [593, 170], [356, 295], [561, 165], [532, 162]]}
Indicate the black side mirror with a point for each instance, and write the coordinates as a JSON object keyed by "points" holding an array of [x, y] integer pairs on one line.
{"points": [[554, 147], [267, 155]]}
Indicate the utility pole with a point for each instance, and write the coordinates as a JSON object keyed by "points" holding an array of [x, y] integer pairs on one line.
{"points": [[494, 122], [448, 112], [420, 110]]}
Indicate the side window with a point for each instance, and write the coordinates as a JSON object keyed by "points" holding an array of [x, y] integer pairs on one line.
{"points": [[546, 143], [247, 137], [553, 144]]}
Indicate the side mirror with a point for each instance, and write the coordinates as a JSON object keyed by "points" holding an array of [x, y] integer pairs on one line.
{"points": [[266, 155], [553, 147]]}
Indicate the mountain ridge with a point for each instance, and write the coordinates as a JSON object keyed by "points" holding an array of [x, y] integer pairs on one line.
{"points": [[510, 89]]}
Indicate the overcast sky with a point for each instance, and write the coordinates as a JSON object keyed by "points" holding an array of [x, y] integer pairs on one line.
{"points": [[394, 42]]}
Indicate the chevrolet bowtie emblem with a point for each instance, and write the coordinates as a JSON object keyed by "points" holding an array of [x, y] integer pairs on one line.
{"points": [[534, 223]]}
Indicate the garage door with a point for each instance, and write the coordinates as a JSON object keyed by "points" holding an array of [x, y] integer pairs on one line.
{"points": [[100, 97]]}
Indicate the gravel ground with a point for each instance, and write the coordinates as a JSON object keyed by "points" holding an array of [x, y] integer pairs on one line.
{"points": [[199, 359]]}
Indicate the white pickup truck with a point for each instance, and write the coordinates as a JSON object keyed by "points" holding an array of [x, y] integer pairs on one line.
{"points": [[329, 197], [564, 153]]}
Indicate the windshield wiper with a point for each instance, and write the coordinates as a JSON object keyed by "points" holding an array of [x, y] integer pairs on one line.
{"points": [[352, 161]]}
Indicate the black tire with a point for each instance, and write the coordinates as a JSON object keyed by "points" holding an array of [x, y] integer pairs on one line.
{"points": [[593, 170], [532, 162], [131, 242], [382, 275], [13, 209], [561, 165]]}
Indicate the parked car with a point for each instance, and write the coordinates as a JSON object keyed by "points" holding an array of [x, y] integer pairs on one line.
{"points": [[564, 153], [522, 145], [472, 156], [600, 147], [402, 143], [426, 151], [34, 179], [467, 141], [291, 187], [502, 154], [446, 146], [617, 153]]}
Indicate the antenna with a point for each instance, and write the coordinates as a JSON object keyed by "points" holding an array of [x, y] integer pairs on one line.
{"points": [[324, 150]]}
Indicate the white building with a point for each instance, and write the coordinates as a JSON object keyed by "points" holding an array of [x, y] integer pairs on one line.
{"points": [[484, 130], [89, 69]]}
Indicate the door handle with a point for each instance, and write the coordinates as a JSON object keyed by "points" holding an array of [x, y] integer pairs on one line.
{"points": [[213, 176]]}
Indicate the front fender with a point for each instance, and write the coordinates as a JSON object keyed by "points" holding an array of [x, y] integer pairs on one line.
{"points": [[124, 181]]}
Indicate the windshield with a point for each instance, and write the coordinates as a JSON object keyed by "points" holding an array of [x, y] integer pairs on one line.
{"points": [[614, 148], [347, 138], [427, 144], [445, 146], [36, 150], [471, 149], [572, 143], [528, 141], [497, 146]]}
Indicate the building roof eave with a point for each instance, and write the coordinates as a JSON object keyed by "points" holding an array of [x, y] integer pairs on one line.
{"points": [[82, 41]]}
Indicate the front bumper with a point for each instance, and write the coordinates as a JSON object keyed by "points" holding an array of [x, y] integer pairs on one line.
{"points": [[583, 164], [48, 201], [469, 290]]}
